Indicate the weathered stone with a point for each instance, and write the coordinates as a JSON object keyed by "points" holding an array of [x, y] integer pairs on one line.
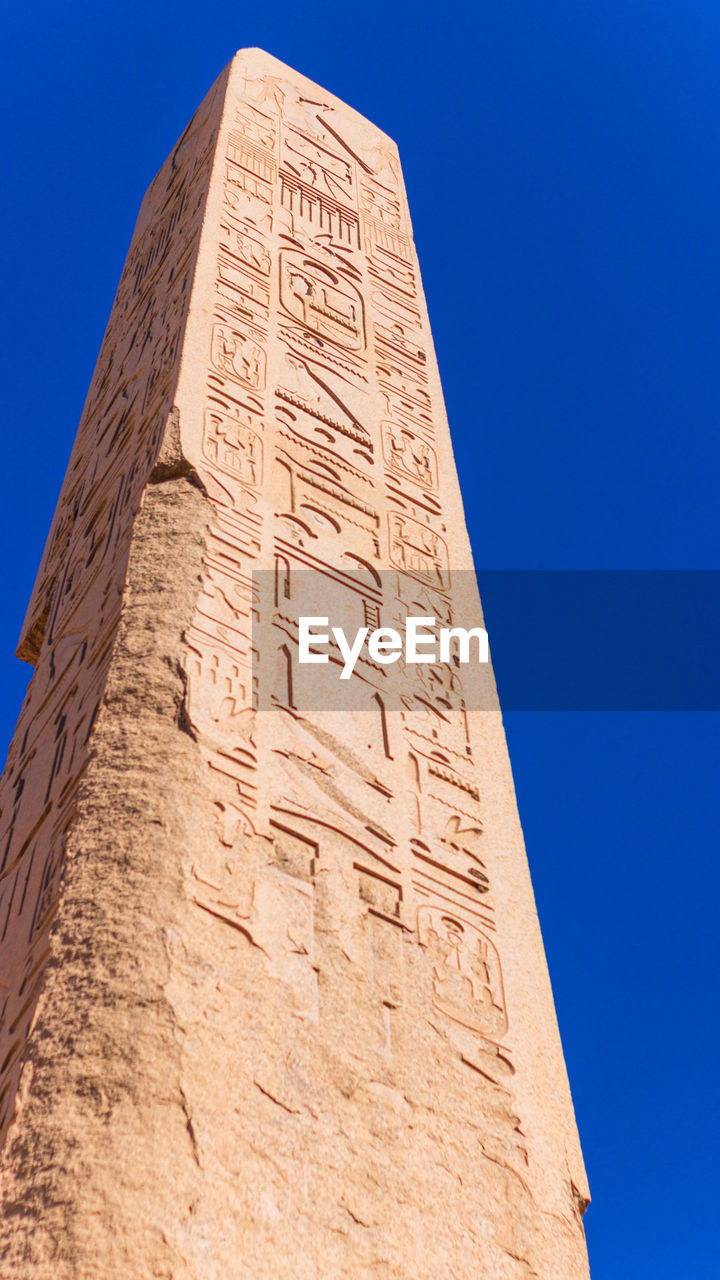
{"points": [[274, 995]]}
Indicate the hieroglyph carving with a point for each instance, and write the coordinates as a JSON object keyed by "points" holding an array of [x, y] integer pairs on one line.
{"points": [[467, 984]]}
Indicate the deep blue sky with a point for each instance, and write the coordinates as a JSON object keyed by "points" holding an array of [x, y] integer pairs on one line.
{"points": [[573, 284]]}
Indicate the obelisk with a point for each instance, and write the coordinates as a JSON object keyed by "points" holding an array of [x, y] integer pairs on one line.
{"points": [[274, 996]]}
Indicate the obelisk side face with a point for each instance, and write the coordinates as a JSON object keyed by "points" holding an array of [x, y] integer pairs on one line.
{"points": [[295, 1013]]}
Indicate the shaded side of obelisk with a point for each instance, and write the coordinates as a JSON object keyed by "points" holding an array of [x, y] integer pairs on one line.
{"points": [[276, 1002]]}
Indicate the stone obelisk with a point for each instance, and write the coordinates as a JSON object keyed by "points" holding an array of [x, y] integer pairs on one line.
{"points": [[274, 996]]}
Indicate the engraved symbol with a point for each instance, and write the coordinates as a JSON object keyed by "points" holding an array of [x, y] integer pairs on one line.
{"points": [[232, 447], [238, 356], [417, 550], [256, 159], [318, 167], [322, 301], [322, 211], [382, 204], [255, 126], [244, 245], [270, 92], [467, 982], [407, 454], [306, 390]]}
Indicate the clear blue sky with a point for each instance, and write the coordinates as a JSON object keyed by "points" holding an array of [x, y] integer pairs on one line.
{"points": [[574, 288]]}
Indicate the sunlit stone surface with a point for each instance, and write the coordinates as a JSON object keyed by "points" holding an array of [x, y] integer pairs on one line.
{"points": [[274, 998]]}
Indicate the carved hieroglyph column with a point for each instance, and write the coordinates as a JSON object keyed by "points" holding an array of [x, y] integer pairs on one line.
{"points": [[274, 998]]}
